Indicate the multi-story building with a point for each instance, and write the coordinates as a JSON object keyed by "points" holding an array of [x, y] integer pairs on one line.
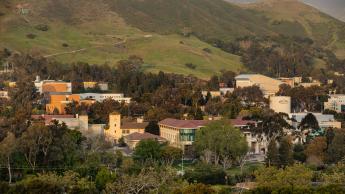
{"points": [[268, 86], [58, 102], [91, 85], [324, 120], [119, 127], [78, 122], [280, 104], [181, 133], [47, 86], [336, 102], [99, 97], [113, 131]]}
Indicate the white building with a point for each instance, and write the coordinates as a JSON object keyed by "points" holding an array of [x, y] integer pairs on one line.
{"points": [[43, 86], [336, 102], [99, 97], [268, 86], [280, 104], [324, 120]]}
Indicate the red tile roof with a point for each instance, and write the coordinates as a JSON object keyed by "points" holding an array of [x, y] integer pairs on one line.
{"points": [[193, 124], [134, 125], [240, 122], [186, 124], [143, 136], [49, 118]]}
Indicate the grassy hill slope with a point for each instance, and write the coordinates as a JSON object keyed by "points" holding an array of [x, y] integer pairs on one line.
{"points": [[209, 19], [91, 32], [105, 31], [323, 29]]}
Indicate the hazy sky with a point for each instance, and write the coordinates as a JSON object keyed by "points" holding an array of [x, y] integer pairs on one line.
{"points": [[335, 8]]}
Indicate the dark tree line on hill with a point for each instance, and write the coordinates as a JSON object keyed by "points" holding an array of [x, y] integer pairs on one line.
{"points": [[281, 56]]}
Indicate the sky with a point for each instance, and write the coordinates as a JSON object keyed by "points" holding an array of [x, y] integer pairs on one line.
{"points": [[335, 8]]}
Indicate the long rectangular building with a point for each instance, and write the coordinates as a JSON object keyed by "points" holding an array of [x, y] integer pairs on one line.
{"points": [[267, 85]]}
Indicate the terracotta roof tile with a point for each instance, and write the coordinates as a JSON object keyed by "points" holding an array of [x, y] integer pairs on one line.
{"points": [[134, 125], [188, 124]]}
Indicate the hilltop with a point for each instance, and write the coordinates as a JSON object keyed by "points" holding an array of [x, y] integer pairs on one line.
{"points": [[167, 34]]}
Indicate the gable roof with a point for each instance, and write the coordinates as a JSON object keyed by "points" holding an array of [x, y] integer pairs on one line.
{"points": [[187, 124], [133, 125]]}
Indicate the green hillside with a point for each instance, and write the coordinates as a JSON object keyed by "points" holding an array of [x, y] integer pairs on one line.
{"points": [[106, 31], [100, 36], [217, 19]]}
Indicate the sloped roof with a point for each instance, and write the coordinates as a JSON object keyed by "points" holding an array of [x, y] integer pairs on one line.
{"points": [[133, 125], [245, 76], [188, 124], [143, 136], [49, 118], [240, 122]]}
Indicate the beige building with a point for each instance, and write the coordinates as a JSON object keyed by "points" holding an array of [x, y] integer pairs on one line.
{"points": [[268, 86], [336, 102], [119, 128], [280, 104]]}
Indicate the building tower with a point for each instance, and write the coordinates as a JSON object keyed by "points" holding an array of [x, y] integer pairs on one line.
{"points": [[114, 132]]}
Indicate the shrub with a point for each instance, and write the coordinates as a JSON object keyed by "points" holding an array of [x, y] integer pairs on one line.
{"points": [[42, 27], [65, 45], [206, 174], [207, 50], [4, 187], [31, 36], [190, 65]]}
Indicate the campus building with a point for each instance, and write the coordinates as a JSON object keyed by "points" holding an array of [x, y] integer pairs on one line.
{"points": [[324, 120], [58, 102], [99, 97], [47, 86], [113, 131], [336, 102], [181, 133], [268, 86], [280, 104], [119, 127]]}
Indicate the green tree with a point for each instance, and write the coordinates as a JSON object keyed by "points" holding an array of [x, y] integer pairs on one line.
{"points": [[309, 122], [285, 151], [315, 151], [222, 142], [335, 150], [152, 128], [171, 154], [336, 175], [272, 157], [147, 151], [7, 147], [37, 139], [103, 177], [197, 189], [293, 176], [298, 153]]}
